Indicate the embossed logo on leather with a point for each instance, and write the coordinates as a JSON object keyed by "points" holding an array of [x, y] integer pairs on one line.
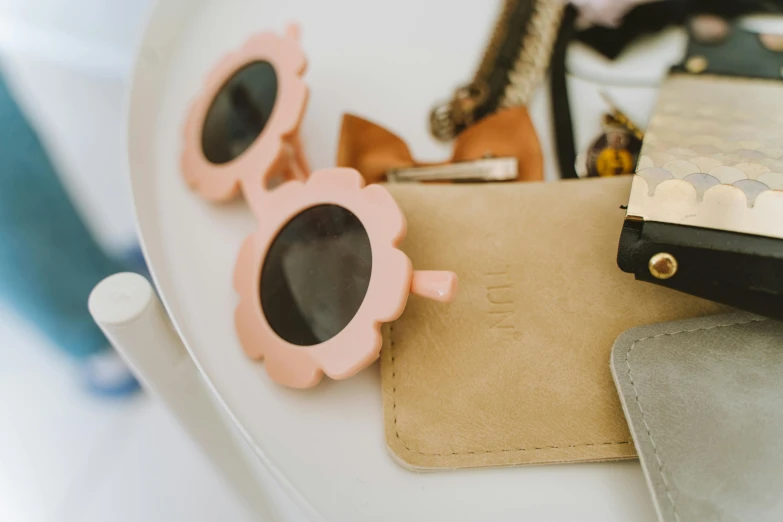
{"points": [[499, 291]]}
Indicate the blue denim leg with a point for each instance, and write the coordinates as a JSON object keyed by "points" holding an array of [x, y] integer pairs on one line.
{"points": [[49, 261]]}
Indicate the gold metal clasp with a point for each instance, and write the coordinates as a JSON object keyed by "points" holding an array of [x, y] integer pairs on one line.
{"points": [[486, 169]]}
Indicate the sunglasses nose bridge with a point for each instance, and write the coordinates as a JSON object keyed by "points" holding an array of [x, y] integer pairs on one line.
{"points": [[292, 166], [438, 285], [257, 194], [297, 166]]}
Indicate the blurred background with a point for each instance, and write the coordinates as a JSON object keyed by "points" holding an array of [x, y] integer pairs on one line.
{"points": [[67, 451]]}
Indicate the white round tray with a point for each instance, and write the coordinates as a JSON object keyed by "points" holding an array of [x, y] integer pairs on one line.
{"points": [[388, 61]]}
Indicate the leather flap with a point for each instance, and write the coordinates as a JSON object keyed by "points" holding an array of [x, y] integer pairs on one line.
{"points": [[516, 370], [704, 402]]}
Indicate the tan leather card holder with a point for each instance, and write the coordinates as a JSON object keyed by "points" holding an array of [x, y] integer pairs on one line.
{"points": [[516, 370]]}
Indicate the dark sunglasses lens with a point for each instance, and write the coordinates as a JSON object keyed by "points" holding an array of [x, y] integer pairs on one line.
{"points": [[315, 275], [239, 112]]}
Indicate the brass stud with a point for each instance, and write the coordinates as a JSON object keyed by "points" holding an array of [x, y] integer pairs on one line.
{"points": [[663, 265], [696, 64]]}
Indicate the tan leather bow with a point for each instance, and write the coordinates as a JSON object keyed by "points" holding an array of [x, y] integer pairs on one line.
{"points": [[373, 150]]}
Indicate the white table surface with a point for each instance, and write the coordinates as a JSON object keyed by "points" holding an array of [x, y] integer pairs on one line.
{"points": [[388, 61]]}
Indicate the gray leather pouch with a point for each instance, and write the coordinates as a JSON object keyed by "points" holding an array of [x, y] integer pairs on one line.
{"points": [[704, 402]]}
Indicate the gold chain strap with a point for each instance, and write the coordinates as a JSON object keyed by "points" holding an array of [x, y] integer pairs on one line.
{"points": [[536, 51], [527, 72]]}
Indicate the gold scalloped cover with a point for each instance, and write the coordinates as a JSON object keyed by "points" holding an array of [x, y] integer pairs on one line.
{"points": [[713, 156]]}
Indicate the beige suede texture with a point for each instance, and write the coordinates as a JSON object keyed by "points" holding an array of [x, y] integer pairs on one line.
{"points": [[516, 369]]}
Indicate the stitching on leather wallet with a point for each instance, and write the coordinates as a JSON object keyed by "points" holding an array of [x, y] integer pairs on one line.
{"points": [[641, 410], [484, 452]]}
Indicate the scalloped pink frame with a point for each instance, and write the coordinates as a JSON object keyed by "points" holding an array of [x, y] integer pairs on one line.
{"points": [[391, 280], [278, 149]]}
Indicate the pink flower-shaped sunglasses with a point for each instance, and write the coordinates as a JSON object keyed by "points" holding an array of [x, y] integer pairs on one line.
{"points": [[323, 271], [245, 124]]}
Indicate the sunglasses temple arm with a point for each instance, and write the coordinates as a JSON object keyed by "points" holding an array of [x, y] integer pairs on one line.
{"points": [[437, 285]]}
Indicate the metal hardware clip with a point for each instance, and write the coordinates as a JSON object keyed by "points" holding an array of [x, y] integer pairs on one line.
{"points": [[486, 169]]}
